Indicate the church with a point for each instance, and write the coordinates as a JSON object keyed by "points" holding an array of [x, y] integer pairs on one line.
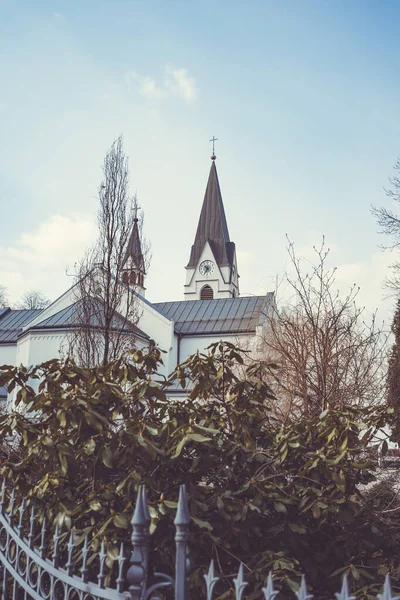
{"points": [[212, 308]]}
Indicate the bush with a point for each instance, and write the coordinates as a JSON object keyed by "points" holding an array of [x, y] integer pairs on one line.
{"points": [[277, 497]]}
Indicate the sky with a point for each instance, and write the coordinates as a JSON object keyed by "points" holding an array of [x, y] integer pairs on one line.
{"points": [[303, 97]]}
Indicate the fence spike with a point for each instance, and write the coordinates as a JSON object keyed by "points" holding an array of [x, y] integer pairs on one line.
{"points": [[146, 533], [139, 515], [211, 580], [71, 546], [182, 516], [240, 583], [42, 548], [3, 494], [56, 554], [85, 552], [387, 591], [21, 511], [181, 521], [12, 503], [137, 572], [31, 533], [121, 560], [344, 592], [302, 593], [269, 592], [102, 557], [145, 505]]}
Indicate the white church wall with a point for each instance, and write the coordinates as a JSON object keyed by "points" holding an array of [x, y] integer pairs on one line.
{"points": [[161, 330], [22, 354], [46, 346], [8, 353], [190, 345]]}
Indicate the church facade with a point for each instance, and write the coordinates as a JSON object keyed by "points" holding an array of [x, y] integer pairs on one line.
{"points": [[212, 308]]}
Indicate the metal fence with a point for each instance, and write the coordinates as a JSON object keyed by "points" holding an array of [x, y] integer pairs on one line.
{"points": [[34, 572]]}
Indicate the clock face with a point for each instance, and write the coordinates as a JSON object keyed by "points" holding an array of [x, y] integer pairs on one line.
{"points": [[206, 267]]}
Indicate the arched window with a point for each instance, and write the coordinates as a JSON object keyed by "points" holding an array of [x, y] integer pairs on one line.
{"points": [[206, 293], [125, 277]]}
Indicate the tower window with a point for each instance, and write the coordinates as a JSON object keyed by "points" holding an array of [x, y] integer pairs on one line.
{"points": [[206, 293]]}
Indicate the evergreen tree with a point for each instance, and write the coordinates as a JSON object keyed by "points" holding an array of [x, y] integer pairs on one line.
{"points": [[393, 382]]}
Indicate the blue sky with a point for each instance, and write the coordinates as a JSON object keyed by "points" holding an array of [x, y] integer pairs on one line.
{"points": [[303, 96]]}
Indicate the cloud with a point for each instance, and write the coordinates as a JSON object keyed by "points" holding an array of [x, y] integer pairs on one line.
{"points": [[39, 258], [58, 16], [150, 89], [180, 84], [176, 83]]}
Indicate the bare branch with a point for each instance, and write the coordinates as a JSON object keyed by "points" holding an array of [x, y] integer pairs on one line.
{"points": [[328, 354], [107, 310]]}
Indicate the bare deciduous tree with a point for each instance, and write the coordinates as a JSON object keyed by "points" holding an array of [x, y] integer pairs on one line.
{"points": [[389, 222], [328, 355], [106, 308], [33, 299], [3, 296]]}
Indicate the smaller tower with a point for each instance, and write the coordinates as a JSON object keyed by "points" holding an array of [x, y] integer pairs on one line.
{"points": [[134, 271]]}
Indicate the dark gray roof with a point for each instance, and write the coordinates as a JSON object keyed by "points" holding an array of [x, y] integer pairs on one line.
{"points": [[212, 226], [225, 315], [134, 248], [12, 322], [69, 317]]}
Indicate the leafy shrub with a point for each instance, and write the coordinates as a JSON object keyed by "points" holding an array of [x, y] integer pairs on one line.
{"points": [[285, 498]]}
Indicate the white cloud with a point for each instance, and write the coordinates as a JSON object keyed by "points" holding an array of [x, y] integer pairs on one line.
{"points": [[149, 89], [39, 259], [58, 16], [180, 84], [176, 83]]}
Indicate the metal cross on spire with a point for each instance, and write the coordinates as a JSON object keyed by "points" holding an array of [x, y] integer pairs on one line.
{"points": [[213, 140], [136, 207]]}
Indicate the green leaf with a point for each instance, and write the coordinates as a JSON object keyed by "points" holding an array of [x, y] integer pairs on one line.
{"points": [[280, 507], [90, 447], [107, 457], [202, 524], [179, 447], [297, 528], [121, 520], [170, 504], [198, 437], [153, 512]]}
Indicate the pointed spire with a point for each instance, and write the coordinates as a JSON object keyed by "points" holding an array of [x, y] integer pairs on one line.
{"points": [[212, 226], [134, 249], [134, 270]]}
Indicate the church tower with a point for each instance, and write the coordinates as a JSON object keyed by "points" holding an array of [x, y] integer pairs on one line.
{"points": [[134, 268], [212, 269]]}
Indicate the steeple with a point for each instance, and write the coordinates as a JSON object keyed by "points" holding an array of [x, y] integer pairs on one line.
{"points": [[211, 270], [134, 267], [212, 225]]}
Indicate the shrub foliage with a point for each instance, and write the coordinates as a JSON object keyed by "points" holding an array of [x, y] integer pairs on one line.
{"points": [[286, 498]]}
